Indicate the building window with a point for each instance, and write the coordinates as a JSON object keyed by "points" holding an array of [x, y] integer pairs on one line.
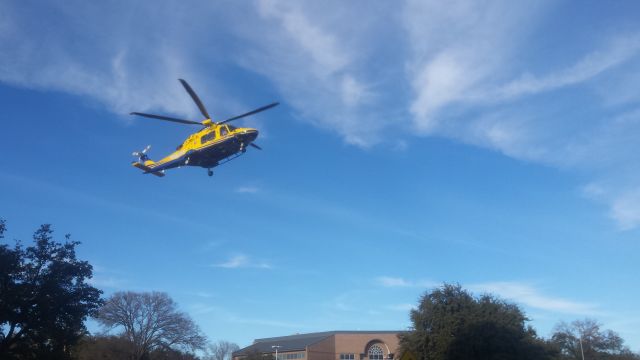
{"points": [[375, 353], [291, 356], [347, 356]]}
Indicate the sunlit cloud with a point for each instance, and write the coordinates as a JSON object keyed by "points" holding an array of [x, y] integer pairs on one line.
{"points": [[104, 277], [247, 189], [530, 296], [618, 51], [111, 282], [410, 67], [401, 307], [520, 292], [242, 261], [389, 281], [624, 204]]}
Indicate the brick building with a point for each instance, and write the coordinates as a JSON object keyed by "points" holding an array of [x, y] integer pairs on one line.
{"points": [[330, 345]]}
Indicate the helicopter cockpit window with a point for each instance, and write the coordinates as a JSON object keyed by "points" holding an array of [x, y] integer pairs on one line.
{"points": [[223, 131]]}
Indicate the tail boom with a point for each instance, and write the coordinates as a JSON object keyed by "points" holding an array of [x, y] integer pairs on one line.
{"points": [[147, 170]]}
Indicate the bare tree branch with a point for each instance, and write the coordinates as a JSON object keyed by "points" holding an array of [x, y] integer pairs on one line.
{"points": [[150, 321]]}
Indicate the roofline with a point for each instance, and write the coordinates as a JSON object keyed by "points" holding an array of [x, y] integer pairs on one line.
{"points": [[329, 333]]}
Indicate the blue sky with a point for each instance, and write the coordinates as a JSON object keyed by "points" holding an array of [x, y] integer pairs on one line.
{"points": [[490, 143]]}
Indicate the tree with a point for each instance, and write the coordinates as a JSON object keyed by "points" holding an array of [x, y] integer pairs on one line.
{"points": [[150, 321], [109, 347], [451, 324], [103, 347], [44, 297], [222, 350], [596, 343]]}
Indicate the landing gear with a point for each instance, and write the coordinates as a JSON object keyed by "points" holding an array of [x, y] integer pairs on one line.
{"points": [[243, 149], [209, 172]]}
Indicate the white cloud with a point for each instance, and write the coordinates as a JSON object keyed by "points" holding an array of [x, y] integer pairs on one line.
{"points": [[519, 292], [460, 70], [532, 297], [401, 307], [125, 61], [624, 203], [247, 189], [390, 281], [107, 278], [467, 87], [320, 45], [319, 62], [617, 52], [103, 281], [456, 48], [242, 261]]}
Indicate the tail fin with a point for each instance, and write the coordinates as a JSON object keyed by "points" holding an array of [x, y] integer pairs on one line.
{"points": [[144, 163], [146, 167]]}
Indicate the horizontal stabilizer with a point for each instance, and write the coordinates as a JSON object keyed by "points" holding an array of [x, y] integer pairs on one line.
{"points": [[147, 169]]}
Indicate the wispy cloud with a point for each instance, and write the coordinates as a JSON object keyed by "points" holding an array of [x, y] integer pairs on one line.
{"points": [[242, 261], [618, 51], [226, 315], [624, 204], [93, 200], [317, 60], [530, 296], [401, 307], [454, 70], [389, 281], [467, 87], [520, 292], [456, 49], [104, 277], [247, 189], [266, 322], [111, 282]]}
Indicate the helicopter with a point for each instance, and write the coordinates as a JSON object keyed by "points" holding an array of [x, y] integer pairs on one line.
{"points": [[213, 145]]}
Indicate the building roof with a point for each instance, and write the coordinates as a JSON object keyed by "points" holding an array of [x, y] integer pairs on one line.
{"points": [[297, 342]]}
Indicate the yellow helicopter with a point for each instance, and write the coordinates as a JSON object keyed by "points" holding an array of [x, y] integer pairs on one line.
{"points": [[215, 144]]}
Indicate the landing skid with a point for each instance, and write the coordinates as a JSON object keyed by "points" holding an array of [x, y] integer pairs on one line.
{"points": [[210, 172]]}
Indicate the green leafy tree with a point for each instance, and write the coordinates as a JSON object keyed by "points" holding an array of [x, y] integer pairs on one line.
{"points": [[44, 297], [451, 324], [586, 337]]}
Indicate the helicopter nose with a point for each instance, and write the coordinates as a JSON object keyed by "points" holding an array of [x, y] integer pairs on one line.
{"points": [[250, 134]]}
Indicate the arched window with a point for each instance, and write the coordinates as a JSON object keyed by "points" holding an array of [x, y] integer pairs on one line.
{"points": [[375, 353]]}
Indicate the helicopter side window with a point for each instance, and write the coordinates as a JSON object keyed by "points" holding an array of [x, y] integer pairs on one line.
{"points": [[207, 137], [223, 131]]}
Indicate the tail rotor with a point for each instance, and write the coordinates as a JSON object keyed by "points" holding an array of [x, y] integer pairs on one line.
{"points": [[142, 155]]}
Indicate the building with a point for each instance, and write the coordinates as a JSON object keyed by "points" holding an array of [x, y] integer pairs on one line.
{"points": [[330, 345]]}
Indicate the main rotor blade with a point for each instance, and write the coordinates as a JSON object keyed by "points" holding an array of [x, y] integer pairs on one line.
{"points": [[255, 146], [195, 98], [267, 107], [166, 118]]}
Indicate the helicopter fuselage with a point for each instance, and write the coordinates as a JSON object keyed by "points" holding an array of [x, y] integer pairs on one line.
{"points": [[206, 148], [216, 143]]}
